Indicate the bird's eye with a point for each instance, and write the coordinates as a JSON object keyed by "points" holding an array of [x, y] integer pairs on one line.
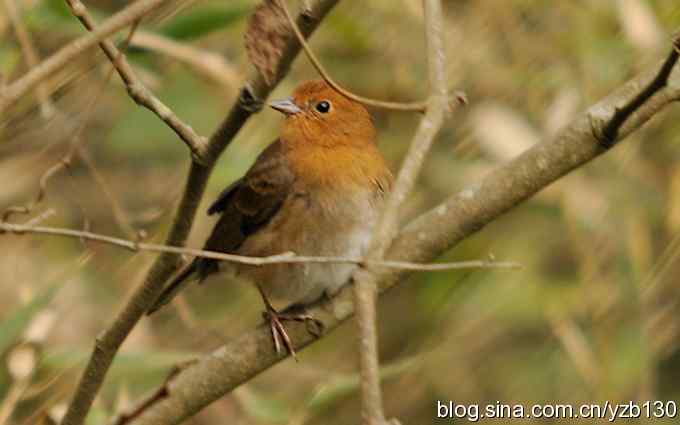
{"points": [[323, 106]]}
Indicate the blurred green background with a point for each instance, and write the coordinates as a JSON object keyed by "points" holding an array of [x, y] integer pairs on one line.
{"points": [[592, 316]]}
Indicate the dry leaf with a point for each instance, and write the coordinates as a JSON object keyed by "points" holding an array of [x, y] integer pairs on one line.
{"points": [[266, 37]]}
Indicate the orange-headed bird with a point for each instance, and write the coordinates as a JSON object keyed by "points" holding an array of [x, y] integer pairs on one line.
{"points": [[316, 191]]}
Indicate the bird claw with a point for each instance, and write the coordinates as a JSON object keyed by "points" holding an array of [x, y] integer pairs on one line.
{"points": [[279, 333], [318, 327], [298, 312]]}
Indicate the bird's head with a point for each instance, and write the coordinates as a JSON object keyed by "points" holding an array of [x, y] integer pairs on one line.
{"points": [[317, 114]]}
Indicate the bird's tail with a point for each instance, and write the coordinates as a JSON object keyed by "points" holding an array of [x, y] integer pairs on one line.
{"points": [[175, 285]]}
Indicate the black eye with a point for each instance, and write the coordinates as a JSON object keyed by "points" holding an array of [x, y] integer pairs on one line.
{"points": [[323, 106]]}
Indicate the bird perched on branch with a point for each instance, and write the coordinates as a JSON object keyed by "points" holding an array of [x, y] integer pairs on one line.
{"points": [[317, 191]]}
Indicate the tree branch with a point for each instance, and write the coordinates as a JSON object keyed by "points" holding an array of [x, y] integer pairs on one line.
{"points": [[14, 91], [283, 258], [210, 64], [462, 215], [30, 55], [249, 102], [137, 90], [78, 149], [397, 106], [365, 286]]}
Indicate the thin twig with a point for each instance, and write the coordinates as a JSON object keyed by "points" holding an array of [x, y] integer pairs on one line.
{"points": [[576, 346], [42, 190], [41, 217], [11, 399], [397, 106], [210, 64], [77, 148], [30, 56], [66, 54], [117, 210], [283, 258], [137, 90], [365, 289]]}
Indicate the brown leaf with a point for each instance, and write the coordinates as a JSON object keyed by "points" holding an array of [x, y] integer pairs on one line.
{"points": [[266, 37]]}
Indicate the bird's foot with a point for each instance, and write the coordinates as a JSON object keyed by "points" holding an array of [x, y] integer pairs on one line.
{"points": [[298, 312], [279, 333]]}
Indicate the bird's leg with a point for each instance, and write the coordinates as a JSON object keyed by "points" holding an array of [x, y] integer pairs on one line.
{"points": [[278, 331], [298, 312], [275, 318]]}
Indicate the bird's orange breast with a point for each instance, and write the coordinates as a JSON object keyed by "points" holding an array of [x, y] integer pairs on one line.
{"points": [[338, 170]]}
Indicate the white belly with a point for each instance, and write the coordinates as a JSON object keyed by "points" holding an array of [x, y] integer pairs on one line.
{"points": [[319, 278], [310, 230]]}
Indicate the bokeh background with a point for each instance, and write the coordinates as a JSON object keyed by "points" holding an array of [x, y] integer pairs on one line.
{"points": [[592, 316]]}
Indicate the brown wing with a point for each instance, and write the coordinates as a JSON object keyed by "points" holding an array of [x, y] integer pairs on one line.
{"points": [[250, 202], [245, 206]]}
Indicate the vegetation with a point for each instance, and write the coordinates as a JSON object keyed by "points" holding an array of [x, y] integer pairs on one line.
{"points": [[590, 316]]}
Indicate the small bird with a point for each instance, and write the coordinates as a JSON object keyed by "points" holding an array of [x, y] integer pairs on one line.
{"points": [[316, 191]]}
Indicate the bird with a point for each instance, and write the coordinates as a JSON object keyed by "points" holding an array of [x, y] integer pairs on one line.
{"points": [[317, 190]]}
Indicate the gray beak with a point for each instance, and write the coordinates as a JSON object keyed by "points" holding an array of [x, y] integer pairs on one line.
{"points": [[286, 106]]}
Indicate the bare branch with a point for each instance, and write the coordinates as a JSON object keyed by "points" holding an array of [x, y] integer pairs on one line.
{"points": [[30, 55], [42, 190], [365, 287], [249, 101], [425, 238], [77, 148], [117, 210], [283, 258], [609, 134], [397, 106], [14, 91], [576, 346], [137, 90]]}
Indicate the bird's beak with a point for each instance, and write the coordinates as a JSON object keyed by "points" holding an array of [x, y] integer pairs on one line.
{"points": [[285, 106]]}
